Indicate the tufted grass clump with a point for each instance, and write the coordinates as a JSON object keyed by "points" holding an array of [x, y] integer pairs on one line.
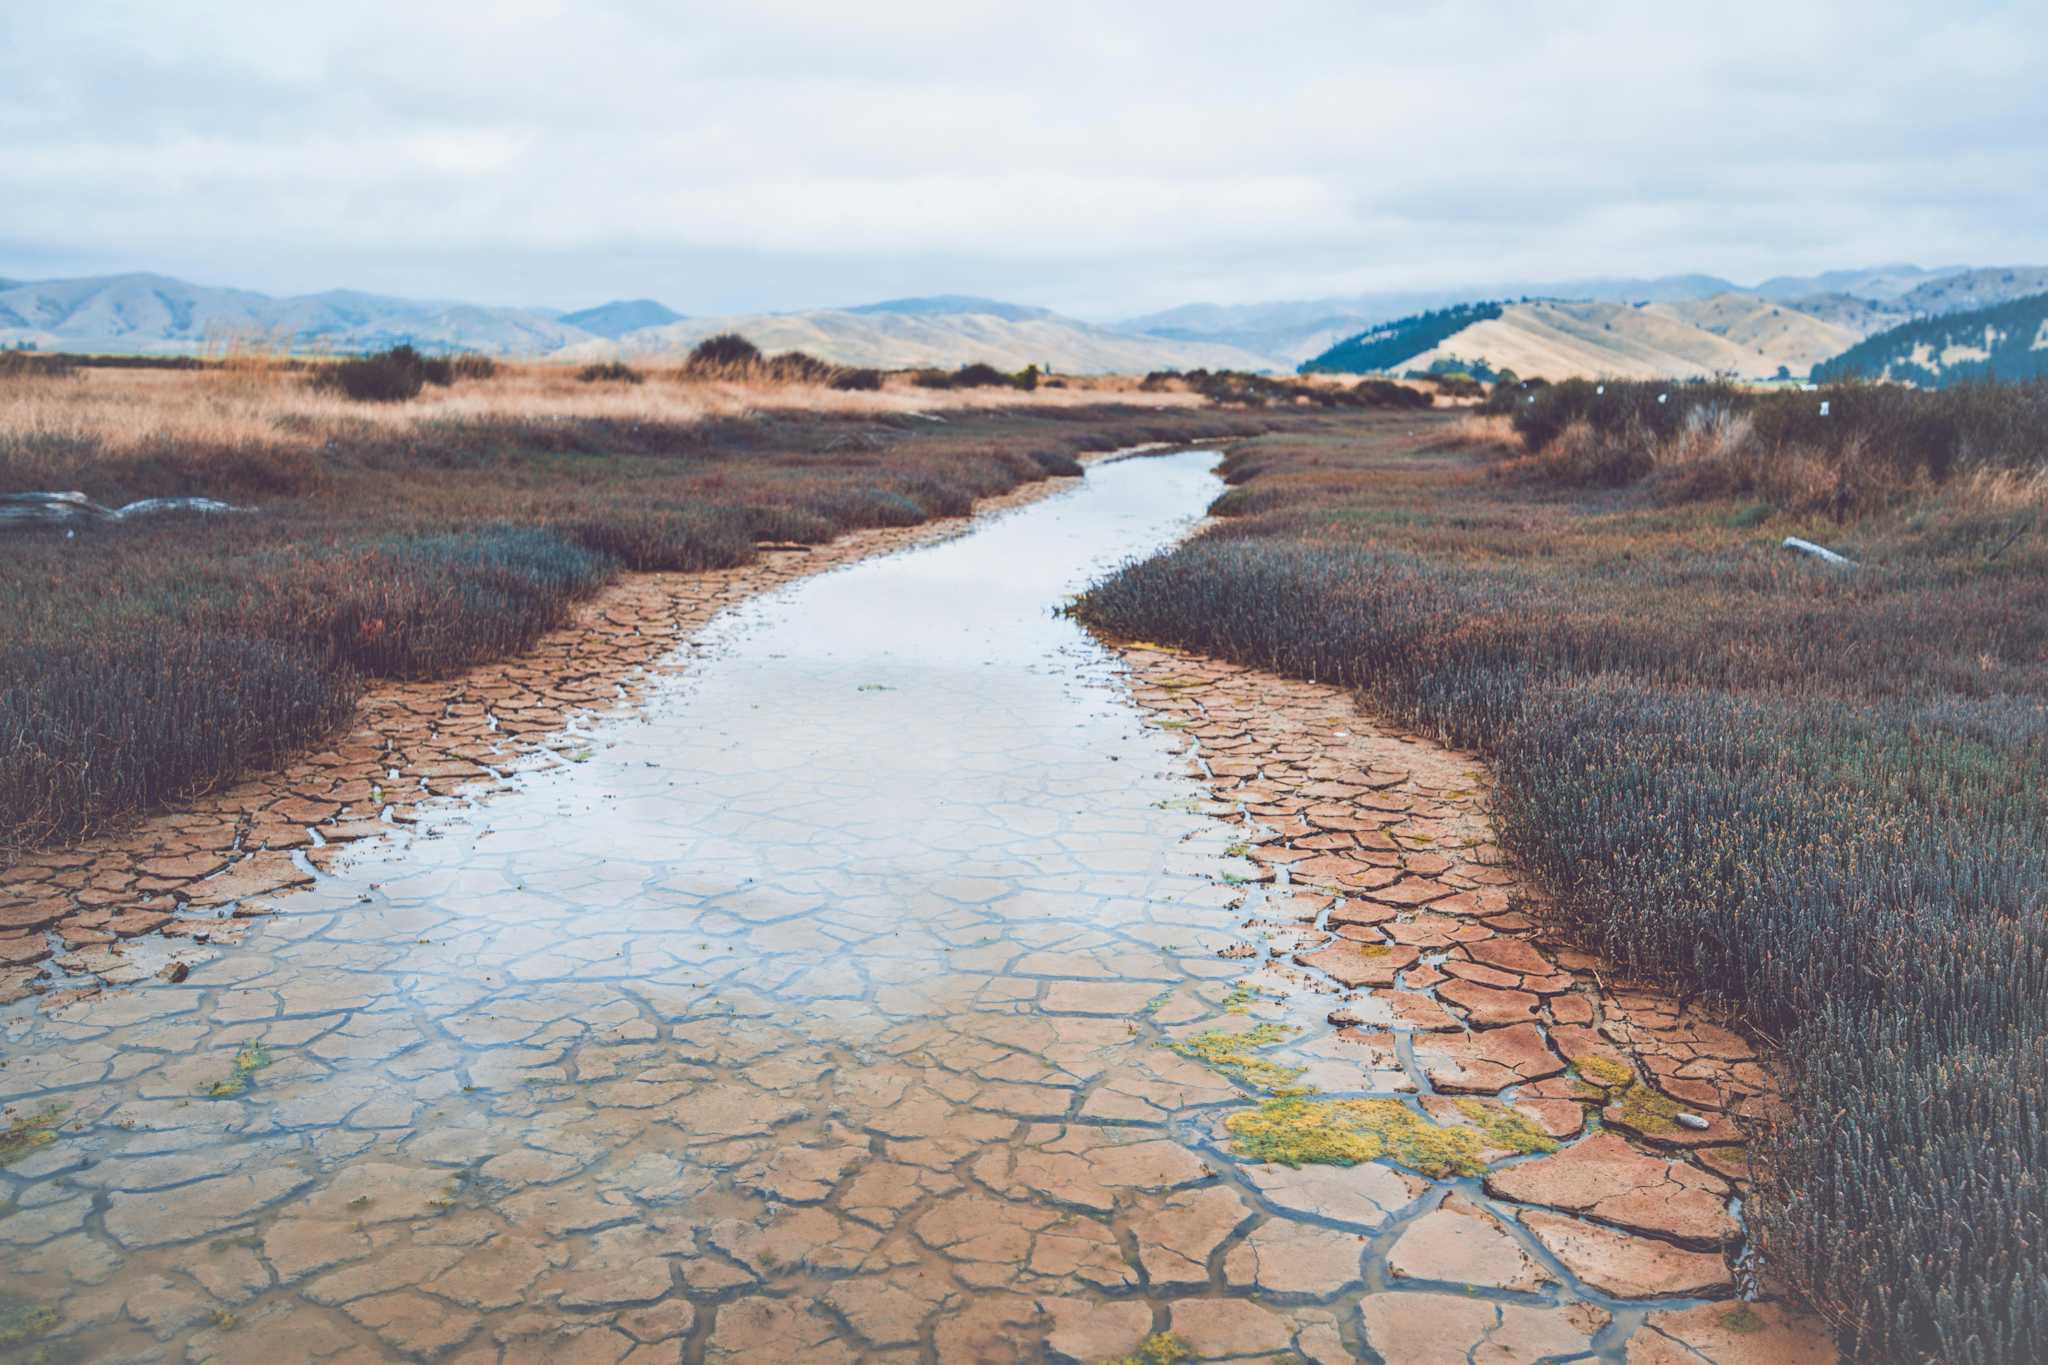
{"points": [[1809, 796]]}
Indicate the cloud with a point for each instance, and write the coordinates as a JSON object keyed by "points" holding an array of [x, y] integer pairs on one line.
{"points": [[1099, 158]]}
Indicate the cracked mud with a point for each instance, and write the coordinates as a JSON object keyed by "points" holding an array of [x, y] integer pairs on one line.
{"points": [[875, 990]]}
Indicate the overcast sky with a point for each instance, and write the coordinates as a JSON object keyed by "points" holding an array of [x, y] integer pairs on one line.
{"points": [[1099, 158]]}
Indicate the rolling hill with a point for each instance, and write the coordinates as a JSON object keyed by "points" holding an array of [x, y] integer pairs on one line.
{"points": [[1727, 333], [2008, 341], [893, 336], [621, 316], [156, 314]]}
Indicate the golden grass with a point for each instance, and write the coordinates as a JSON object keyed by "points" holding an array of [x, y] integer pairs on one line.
{"points": [[256, 401]]}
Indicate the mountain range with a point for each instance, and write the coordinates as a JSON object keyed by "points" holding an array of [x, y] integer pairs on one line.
{"points": [[157, 314], [1669, 326]]}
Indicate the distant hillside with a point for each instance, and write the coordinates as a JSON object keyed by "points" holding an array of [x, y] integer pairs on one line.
{"points": [[1776, 333], [1392, 345], [1880, 282], [1726, 334], [2007, 341], [1859, 315], [156, 314], [620, 316], [950, 305], [1971, 289], [892, 336]]}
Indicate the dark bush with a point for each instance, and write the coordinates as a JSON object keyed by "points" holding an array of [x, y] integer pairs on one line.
{"points": [[858, 379], [980, 376], [470, 366], [32, 365], [386, 377], [724, 356], [1058, 463], [609, 372]]}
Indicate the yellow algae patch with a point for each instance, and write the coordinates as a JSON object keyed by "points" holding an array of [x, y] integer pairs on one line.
{"points": [[1296, 1131], [1605, 1071], [1506, 1129], [27, 1132], [1235, 1054], [1161, 1348], [1647, 1111], [248, 1061]]}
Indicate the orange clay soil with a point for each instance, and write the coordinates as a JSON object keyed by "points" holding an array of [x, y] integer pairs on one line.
{"points": [[1385, 891], [159, 896]]}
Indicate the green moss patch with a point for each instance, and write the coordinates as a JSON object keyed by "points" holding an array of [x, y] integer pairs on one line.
{"points": [[1295, 1130], [1235, 1054], [248, 1062], [26, 1133]]}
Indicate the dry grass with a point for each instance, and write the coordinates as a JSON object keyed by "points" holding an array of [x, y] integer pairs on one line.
{"points": [[255, 401]]}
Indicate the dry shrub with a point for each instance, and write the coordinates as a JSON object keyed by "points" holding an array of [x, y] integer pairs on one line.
{"points": [[1491, 433], [1585, 456]]}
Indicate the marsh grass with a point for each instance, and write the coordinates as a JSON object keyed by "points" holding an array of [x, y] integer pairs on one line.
{"points": [[1842, 451], [1811, 796]]}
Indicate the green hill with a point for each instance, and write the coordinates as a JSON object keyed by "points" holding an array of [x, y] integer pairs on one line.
{"points": [[1390, 344], [2006, 341]]}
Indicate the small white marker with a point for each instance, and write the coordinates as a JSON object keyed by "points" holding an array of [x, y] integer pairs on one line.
{"points": [[1662, 396], [1823, 407], [1599, 388]]}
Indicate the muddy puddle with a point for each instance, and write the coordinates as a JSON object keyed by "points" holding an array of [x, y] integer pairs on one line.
{"points": [[816, 1012]]}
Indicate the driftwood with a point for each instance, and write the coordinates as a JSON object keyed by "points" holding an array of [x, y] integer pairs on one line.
{"points": [[1807, 547], [65, 509]]}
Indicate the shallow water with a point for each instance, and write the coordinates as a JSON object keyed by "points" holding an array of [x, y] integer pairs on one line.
{"points": [[796, 998], [814, 1014]]}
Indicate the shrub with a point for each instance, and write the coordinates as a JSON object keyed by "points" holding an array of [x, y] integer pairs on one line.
{"points": [[858, 379], [726, 355], [609, 372], [472, 366], [980, 376], [1058, 463], [384, 377]]}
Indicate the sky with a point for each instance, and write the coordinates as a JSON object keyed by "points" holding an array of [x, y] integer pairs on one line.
{"points": [[1104, 160]]}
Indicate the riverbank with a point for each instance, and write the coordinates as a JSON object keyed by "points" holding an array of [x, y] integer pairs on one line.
{"points": [[1802, 793], [168, 892], [150, 659], [1606, 1166]]}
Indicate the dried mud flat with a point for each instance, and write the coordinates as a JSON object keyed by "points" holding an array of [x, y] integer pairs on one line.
{"points": [[880, 986], [1385, 901]]}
